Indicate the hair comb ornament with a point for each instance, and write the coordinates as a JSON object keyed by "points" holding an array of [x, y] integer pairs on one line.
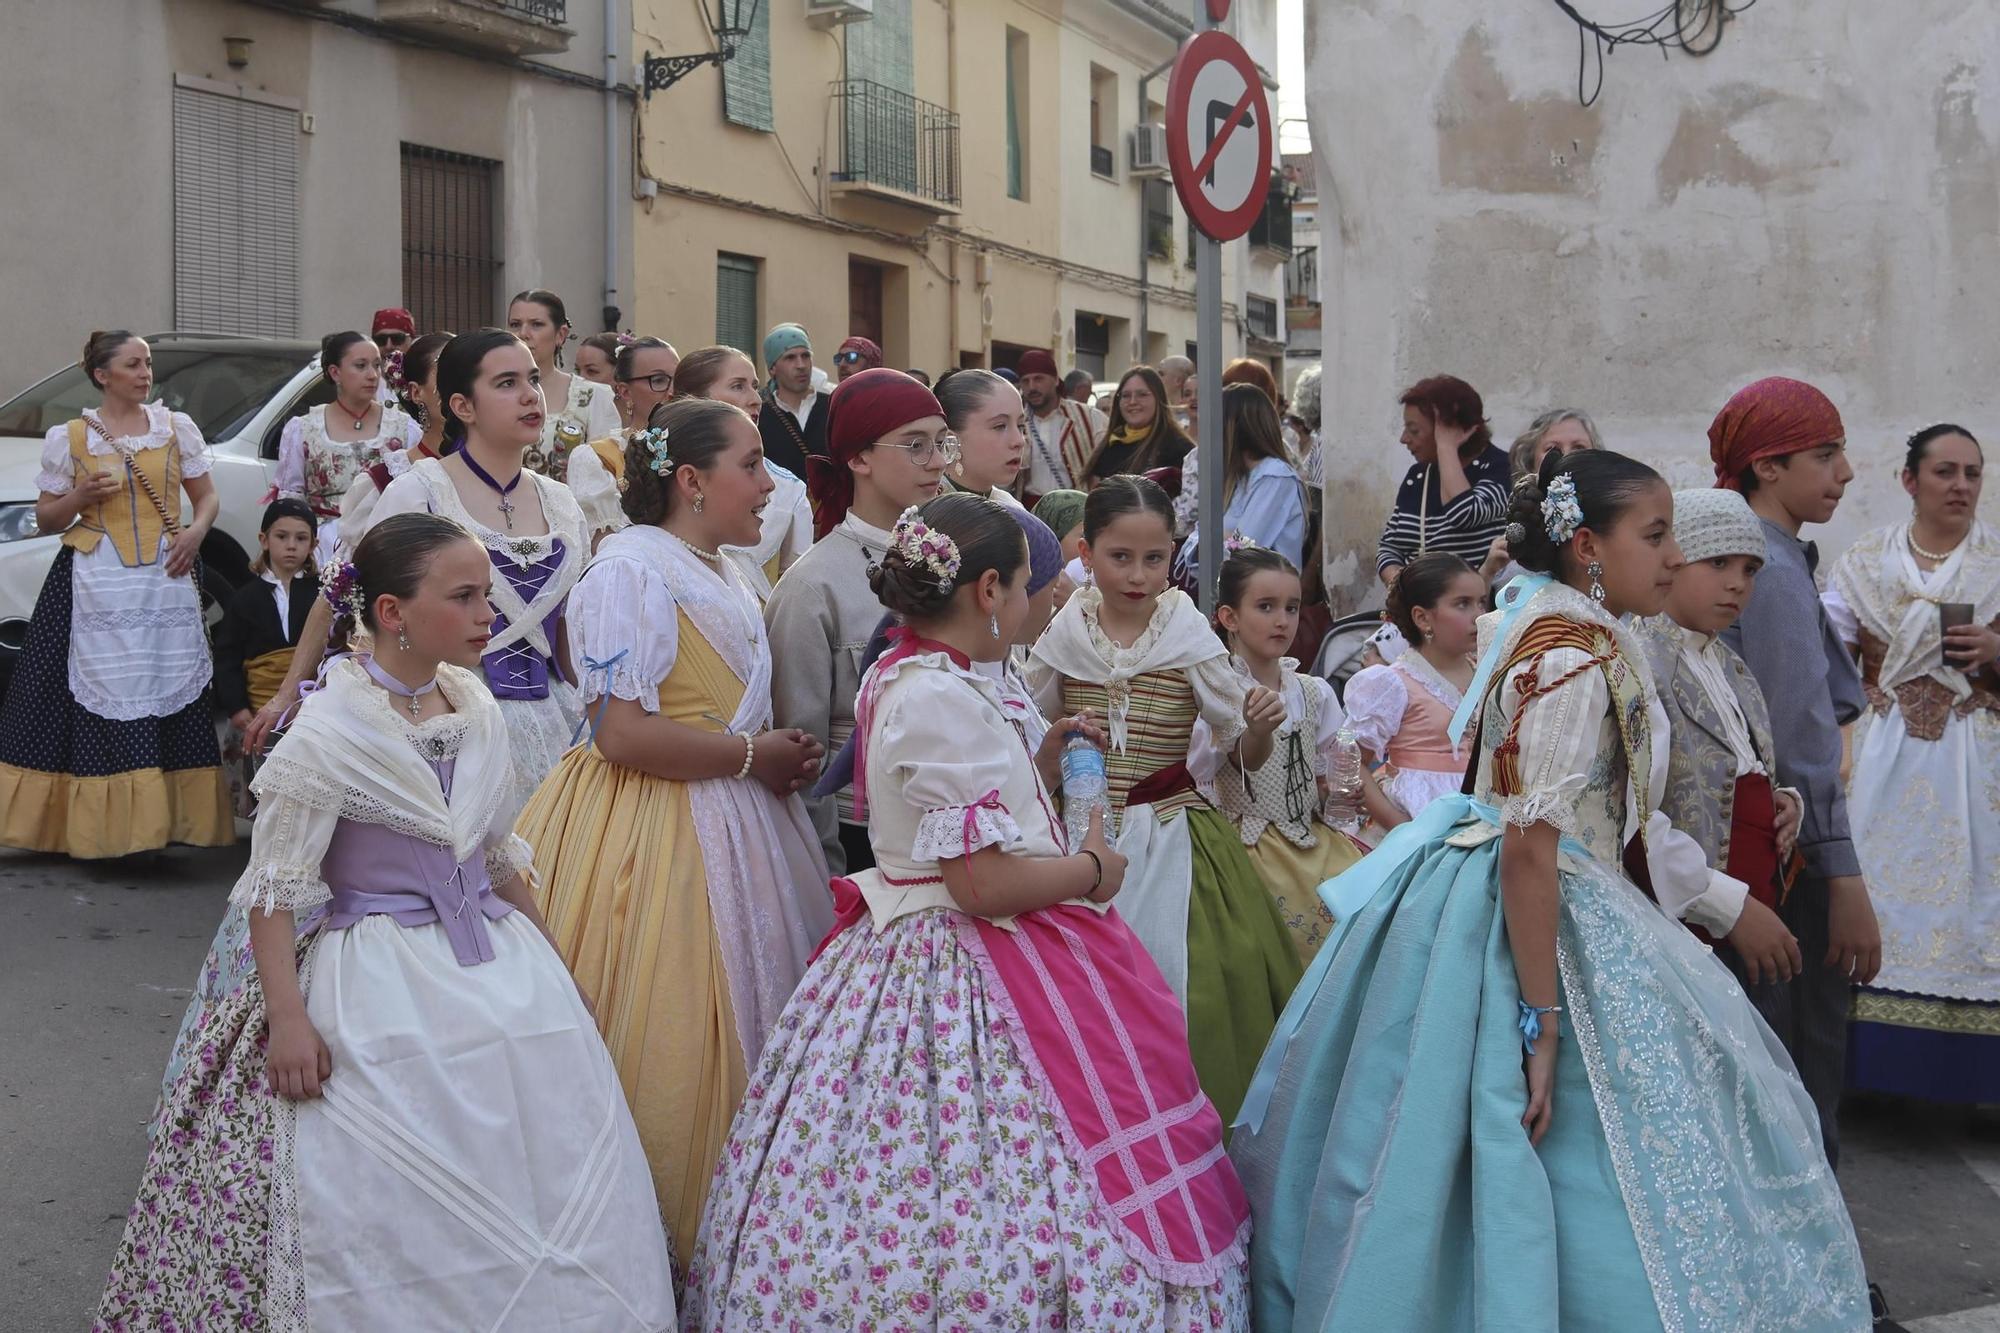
{"points": [[343, 591], [1236, 541], [655, 440], [920, 544], [1561, 514]]}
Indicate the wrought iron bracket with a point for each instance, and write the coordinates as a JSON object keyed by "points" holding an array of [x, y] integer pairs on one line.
{"points": [[663, 72]]}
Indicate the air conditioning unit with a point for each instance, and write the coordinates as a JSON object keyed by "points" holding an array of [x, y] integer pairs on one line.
{"points": [[1149, 150], [825, 14]]}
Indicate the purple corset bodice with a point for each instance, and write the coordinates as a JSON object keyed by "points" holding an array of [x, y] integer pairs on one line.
{"points": [[519, 671], [374, 871]]}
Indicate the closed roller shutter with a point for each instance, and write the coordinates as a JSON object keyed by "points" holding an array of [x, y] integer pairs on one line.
{"points": [[736, 303], [236, 215], [746, 79]]}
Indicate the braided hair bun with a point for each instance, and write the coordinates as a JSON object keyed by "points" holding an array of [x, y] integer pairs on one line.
{"points": [[911, 584], [1606, 483]]}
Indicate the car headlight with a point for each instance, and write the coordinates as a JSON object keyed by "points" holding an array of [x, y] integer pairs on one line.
{"points": [[17, 522]]}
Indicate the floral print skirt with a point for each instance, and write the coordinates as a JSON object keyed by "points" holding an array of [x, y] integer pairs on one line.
{"points": [[894, 1165]]}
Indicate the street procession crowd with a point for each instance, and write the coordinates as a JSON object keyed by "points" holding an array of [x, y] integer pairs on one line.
{"points": [[755, 850]]}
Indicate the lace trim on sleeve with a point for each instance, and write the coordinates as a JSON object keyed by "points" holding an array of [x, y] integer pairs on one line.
{"points": [[273, 887], [55, 476], [953, 831], [1555, 806], [510, 857], [195, 457]]}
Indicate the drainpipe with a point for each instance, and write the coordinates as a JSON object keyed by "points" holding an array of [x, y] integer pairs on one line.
{"points": [[951, 243], [1145, 299], [614, 192]]}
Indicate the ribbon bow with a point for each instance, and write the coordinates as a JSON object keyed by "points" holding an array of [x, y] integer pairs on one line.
{"points": [[990, 801], [591, 664]]}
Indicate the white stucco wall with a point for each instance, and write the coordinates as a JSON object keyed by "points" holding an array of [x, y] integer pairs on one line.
{"points": [[1820, 197]]}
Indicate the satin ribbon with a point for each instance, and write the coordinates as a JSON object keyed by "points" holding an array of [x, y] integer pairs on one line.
{"points": [[591, 664], [422, 904], [990, 801], [1513, 600], [308, 687]]}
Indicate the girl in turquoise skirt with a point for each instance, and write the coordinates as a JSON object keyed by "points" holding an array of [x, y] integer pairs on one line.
{"points": [[1510, 1093]]}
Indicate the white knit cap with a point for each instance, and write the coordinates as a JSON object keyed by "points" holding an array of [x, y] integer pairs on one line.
{"points": [[1710, 523]]}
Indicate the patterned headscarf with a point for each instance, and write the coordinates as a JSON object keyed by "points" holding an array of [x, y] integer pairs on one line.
{"points": [[1061, 510], [871, 354], [1770, 419], [781, 340]]}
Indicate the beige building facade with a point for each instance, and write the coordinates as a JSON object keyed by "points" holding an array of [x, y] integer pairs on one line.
{"points": [[953, 178], [285, 169]]}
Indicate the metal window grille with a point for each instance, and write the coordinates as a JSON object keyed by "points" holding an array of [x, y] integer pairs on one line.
{"points": [[1261, 312], [892, 139], [1273, 227], [236, 215], [451, 253], [548, 11], [1159, 218], [736, 302]]}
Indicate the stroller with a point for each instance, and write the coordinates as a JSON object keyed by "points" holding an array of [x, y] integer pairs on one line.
{"points": [[1341, 651]]}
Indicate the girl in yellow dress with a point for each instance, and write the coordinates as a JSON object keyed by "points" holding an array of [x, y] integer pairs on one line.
{"points": [[680, 875], [1276, 807]]}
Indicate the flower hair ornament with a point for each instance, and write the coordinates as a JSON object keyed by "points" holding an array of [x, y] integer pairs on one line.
{"points": [[1236, 541], [343, 591], [1561, 514], [920, 544], [655, 440]]}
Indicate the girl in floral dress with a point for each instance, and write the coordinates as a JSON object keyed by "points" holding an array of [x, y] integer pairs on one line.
{"points": [[979, 1110], [1141, 656], [578, 410], [1276, 808], [324, 450], [404, 1119]]}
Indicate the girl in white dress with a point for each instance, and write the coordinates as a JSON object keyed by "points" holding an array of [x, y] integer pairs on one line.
{"points": [[577, 410], [406, 1118], [785, 529], [1400, 712], [323, 451]]}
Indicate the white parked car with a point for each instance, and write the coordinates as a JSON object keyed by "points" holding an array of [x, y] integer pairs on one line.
{"points": [[239, 393]]}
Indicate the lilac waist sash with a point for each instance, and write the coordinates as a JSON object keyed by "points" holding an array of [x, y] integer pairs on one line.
{"points": [[458, 897]]}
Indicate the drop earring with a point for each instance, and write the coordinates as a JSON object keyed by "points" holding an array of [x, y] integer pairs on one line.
{"points": [[402, 639], [698, 502], [1596, 573], [993, 624]]}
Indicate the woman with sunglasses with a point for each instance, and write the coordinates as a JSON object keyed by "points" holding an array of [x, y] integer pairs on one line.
{"points": [[889, 449]]}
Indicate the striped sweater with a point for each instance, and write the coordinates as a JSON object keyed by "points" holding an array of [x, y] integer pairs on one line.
{"points": [[1422, 521]]}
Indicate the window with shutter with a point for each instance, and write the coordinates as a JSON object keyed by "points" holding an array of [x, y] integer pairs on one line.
{"points": [[736, 303], [236, 213], [451, 254], [746, 79]]}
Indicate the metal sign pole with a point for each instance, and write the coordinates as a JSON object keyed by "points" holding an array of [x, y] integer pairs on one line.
{"points": [[1208, 403]]}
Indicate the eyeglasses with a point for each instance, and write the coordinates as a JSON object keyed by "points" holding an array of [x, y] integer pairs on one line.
{"points": [[924, 452], [844, 358], [659, 381], [392, 338]]}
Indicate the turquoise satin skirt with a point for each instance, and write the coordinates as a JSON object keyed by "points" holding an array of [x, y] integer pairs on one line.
{"points": [[1393, 1187]]}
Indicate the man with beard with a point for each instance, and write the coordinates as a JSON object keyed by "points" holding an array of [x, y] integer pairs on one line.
{"points": [[1062, 435], [793, 422]]}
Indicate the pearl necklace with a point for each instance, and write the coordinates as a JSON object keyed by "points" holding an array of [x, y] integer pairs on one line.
{"points": [[1922, 554], [713, 557]]}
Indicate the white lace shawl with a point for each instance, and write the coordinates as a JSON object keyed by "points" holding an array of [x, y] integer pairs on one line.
{"points": [[350, 754], [1897, 603]]}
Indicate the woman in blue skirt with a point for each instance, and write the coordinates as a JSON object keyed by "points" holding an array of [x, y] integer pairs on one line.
{"points": [[1511, 1094]]}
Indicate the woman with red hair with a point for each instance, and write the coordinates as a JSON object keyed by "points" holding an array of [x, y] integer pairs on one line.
{"points": [[1454, 497]]}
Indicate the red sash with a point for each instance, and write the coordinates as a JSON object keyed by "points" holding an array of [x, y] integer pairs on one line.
{"points": [[1753, 848]]}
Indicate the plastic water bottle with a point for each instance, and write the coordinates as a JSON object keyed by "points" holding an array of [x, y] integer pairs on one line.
{"points": [[1084, 787], [1344, 809]]}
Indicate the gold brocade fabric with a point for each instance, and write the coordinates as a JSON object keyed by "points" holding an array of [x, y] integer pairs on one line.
{"points": [[263, 675], [1921, 1011], [1158, 726], [1926, 705], [128, 516], [625, 893]]}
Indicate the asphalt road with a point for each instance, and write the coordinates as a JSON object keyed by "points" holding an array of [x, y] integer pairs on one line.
{"points": [[95, 965]]}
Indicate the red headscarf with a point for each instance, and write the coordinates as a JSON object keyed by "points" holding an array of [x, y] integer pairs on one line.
{"points": [[1770, 419], [1036, 362], [871, 354], [865, 407], [393, 318]]}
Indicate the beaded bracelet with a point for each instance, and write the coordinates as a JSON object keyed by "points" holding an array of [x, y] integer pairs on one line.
{"points": [[749, 756], [1531, 1023]]}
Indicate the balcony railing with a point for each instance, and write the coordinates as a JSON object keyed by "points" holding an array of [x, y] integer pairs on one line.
{"points": [[897, 147], [547, 11], [510, 27]]}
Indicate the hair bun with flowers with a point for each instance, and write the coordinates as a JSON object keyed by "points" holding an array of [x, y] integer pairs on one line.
{"points": [[922, 545], [343, 591], [655, 440], [1236, 541], [1561, 514]]}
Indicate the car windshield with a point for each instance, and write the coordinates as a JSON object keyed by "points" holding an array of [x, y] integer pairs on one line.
{"points": [[220, 390]]}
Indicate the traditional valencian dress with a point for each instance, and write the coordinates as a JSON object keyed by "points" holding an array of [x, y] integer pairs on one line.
{"points": [[1401, 715], [588, 411], [107, 738], [1191, 893], [470, 1162], [785, 534], [321, 470], [965, 1122], [1276, 808], [687, 910], [1681, 1183], [1926, 765], [532, 576]]}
